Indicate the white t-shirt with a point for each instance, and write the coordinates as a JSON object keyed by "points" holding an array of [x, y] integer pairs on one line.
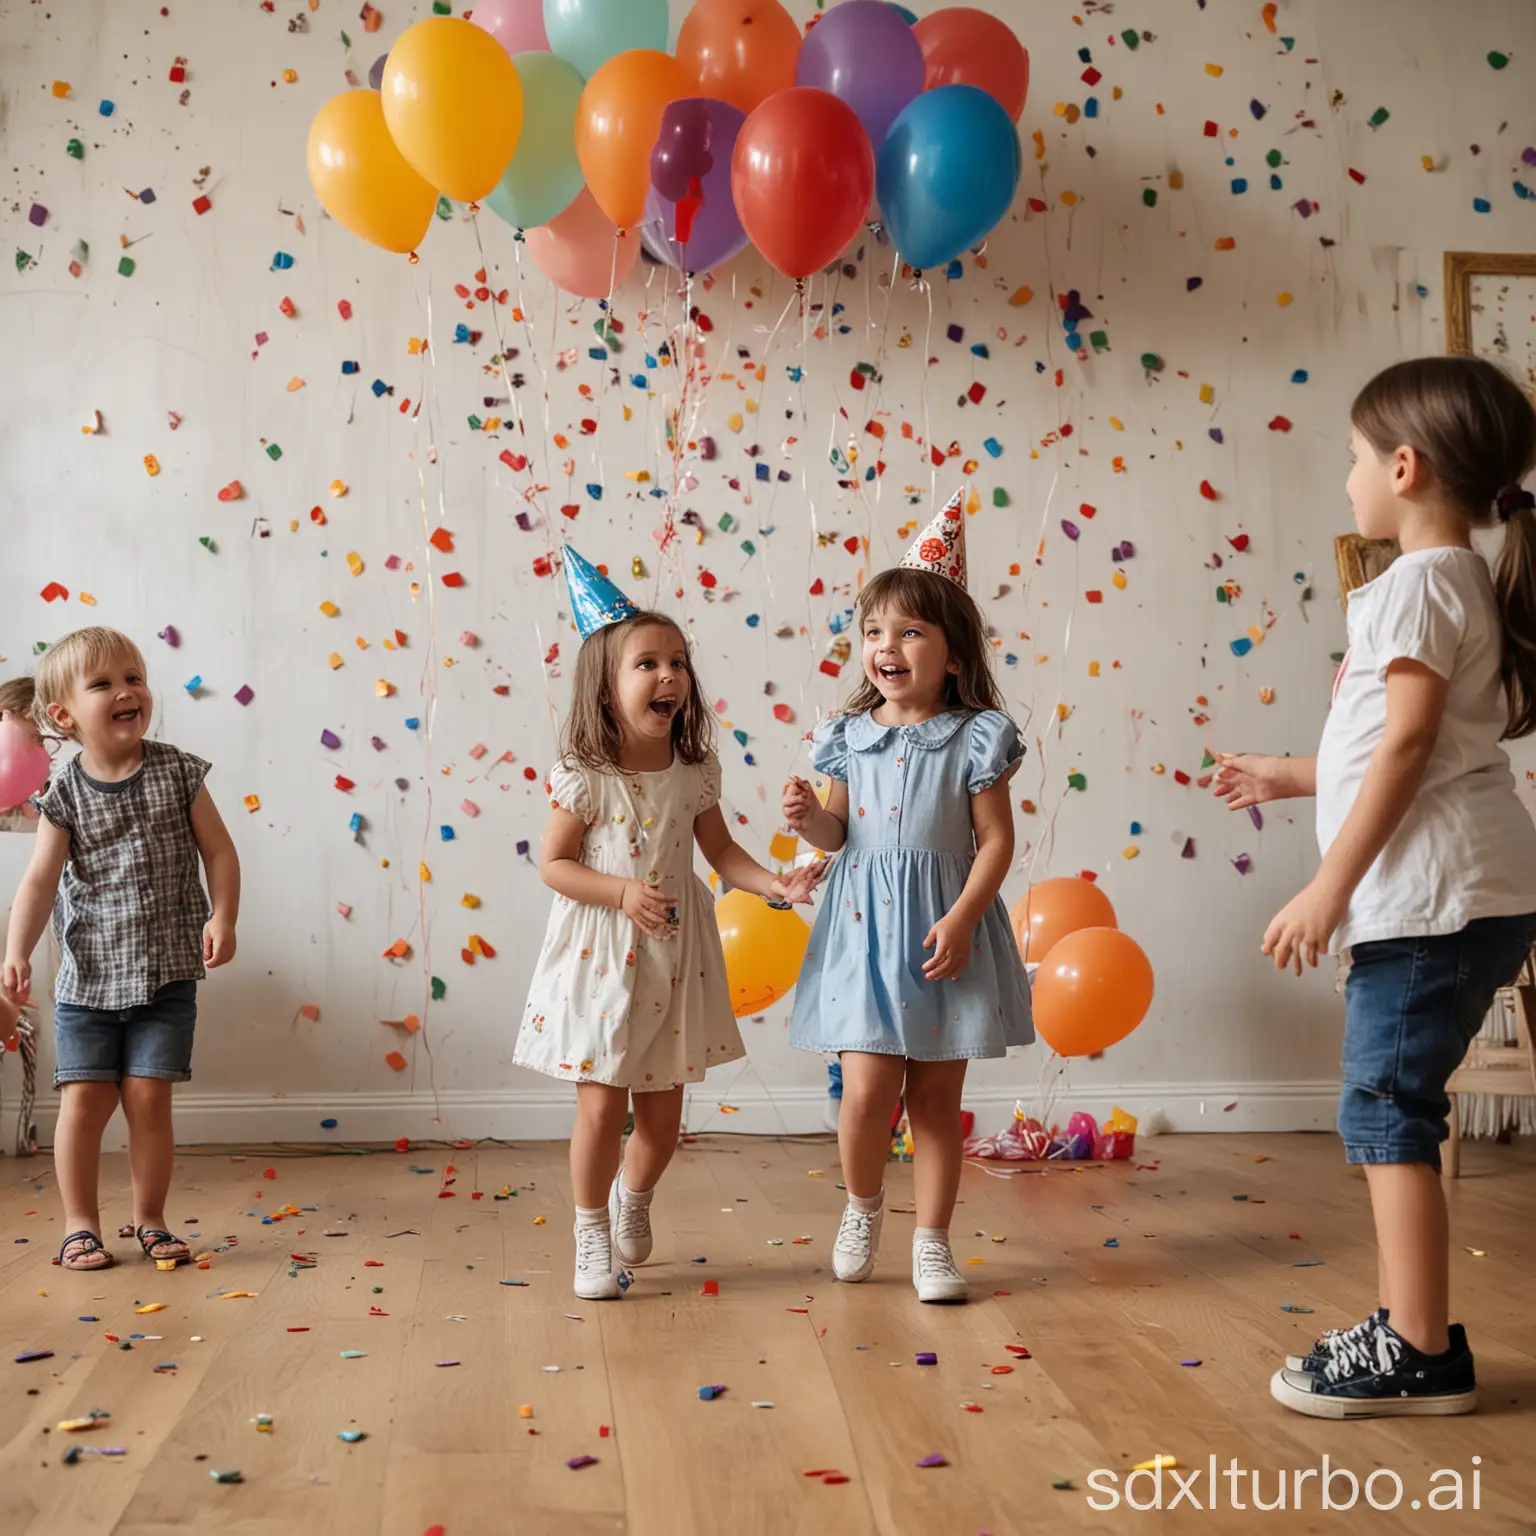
{"points": [[1467, 848]]}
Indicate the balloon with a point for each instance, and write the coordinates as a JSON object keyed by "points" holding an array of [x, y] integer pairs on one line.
{"points": [[376, 72], [764, 948], [1055, 908], [361, 179], [690, 216], [948, 170], [590, 32], [1093, 990], [544, 174], [802, 176], [454, 105], [24, 765], [518, 25], [910, 17], [580, 250], [740, 51], [964, 46], [865, 54], [617, 124]]}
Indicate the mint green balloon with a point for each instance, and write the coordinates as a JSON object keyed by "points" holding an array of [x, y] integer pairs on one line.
{"points": [[544, 175]]}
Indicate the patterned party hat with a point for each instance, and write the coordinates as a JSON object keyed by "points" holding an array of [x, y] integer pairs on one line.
{"points": [[940, 547], [595, 601]]}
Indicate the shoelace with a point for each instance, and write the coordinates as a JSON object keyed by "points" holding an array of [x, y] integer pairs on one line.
{"points": [[853, 1236], [594, 1250], [1374, 1353], [1335, 1339], [935, 1261], [634, 1218]]}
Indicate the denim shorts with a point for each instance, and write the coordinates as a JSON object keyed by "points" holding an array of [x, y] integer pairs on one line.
{"points": [[105, 1045], [1412, 1007]]}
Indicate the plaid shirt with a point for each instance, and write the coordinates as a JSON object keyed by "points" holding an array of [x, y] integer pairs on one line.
{"points": [[131, 908]]}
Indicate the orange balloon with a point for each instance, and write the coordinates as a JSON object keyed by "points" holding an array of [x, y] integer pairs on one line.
{"points": [[1055, 908], [764, 950], [740, 51], [618, 121], [964, 46], [580, 250], [1094, 990], [361, 179]]}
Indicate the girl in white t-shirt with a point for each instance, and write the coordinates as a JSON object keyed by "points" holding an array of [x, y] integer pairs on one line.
{"points": [[1428, 875]]}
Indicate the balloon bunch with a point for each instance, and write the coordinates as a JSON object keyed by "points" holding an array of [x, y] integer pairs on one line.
{"points": [[1093, 984], [570, 118]]}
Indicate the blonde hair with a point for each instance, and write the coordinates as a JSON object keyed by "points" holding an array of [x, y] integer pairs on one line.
{"points": [[1475, 428], [70, 659], [17, 697], [938, 601], [593, 735]]}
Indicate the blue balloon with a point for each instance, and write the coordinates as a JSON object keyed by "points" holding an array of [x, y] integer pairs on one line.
{"points": [[910, 17], [947, 173], [544, 176], [587, 33]]}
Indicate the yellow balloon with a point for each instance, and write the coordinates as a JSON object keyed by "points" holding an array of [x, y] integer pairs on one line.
{"points": [[361, 179], [764, 948], [454, 104]]}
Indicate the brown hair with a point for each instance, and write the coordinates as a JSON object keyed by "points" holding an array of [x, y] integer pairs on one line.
{"points": [[17, 697], [64, 664], [593, 735], [935, 600], [1475, 428]]}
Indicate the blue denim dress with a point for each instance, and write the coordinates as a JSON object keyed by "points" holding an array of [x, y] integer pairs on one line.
{"points": [[909, 852]]}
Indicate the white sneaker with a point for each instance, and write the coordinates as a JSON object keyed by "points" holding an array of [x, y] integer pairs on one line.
{"points": [[631, 1224], [596, 1279], [934, 1273], [853, 1254]]}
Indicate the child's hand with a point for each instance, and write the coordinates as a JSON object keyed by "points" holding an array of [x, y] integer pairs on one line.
{"points": [[950, 941], [799, 803], [16, 981], [218, 942], [1244, 779], [1303, 927], [798, 884], [646, 908]]}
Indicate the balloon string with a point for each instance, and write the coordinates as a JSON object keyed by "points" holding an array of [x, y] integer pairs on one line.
{"points": [[933, 469], [1055, 722]]}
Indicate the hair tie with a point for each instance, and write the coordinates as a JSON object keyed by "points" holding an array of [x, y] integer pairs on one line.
{"points": [[1514, 500]]}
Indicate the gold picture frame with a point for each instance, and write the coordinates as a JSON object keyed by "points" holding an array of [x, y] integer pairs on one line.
{"points": [[1360, 560], [1460, 268]]}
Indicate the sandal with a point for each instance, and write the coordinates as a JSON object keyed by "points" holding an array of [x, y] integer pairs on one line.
{"points": [[151, 1238], [85, 1244]]}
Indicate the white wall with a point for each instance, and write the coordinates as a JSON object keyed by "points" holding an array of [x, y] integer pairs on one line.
{"points": [[179, 336]]}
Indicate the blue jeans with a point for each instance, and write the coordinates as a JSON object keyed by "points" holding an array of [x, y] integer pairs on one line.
{"points": [[105, 1045], [1412, 1007]]}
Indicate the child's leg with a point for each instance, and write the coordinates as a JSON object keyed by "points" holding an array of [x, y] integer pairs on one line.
{"points": [[1413, 1241], [934, 1089], [151, 1149], [600, 1114], [658, 1119], [871, 1086], [84, 1109]]}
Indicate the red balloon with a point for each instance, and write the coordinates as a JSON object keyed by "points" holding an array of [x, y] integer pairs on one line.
{"points": [[802, 176], [964, 46]]}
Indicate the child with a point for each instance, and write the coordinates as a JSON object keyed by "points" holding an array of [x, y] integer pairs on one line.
{"points": [[629, 994], [920, 760], [16, 697], [123, 824], [1428, 875]]}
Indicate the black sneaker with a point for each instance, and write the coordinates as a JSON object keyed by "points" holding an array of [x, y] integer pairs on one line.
{"points": [[1380, 1374], [1323, 1350]]}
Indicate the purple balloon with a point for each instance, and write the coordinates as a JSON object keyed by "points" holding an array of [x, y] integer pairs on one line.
{"points": [[864, 53], [693, 159], [376, 72]]}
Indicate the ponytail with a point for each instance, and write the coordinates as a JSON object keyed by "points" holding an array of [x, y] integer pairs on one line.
{"points": [[1514, 581]]}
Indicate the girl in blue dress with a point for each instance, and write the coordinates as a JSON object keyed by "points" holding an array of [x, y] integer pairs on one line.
{"points": [[912, 969]]}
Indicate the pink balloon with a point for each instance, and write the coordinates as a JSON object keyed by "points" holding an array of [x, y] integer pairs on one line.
{"points": [[23, 765], [518, 25], [578, 251]]}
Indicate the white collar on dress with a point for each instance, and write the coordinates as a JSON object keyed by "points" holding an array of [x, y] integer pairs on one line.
{"points": [[864, 733]]}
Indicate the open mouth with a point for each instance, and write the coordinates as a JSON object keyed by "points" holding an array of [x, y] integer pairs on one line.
{"points": [[666, 708], [890, 674], [125, 715]]}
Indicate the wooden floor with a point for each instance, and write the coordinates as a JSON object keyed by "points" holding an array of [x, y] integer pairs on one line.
{"points": [[1198, 1275]]}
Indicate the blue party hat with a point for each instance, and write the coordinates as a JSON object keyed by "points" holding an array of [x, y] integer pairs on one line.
{"points": [[595, 601]]}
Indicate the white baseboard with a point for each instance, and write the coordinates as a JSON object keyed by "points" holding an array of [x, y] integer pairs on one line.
{"points": [[472, 1114]]}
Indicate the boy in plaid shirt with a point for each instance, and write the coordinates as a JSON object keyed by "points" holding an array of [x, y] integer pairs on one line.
{"points": [[124, 825]]}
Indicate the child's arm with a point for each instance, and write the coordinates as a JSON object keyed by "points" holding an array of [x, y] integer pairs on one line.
{"points": [[823, 828], [561, 869], [1244, 779], [740, 870], [1415, 703], [950, 937], [221, 866], [34, 905]]}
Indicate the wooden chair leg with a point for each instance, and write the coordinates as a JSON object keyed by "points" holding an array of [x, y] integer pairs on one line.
{"points": [[1451, 1162]]}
